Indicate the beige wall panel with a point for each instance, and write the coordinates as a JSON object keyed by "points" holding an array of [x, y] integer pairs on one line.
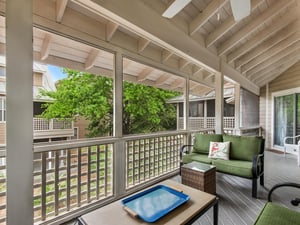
{"points": [[288, 80]]}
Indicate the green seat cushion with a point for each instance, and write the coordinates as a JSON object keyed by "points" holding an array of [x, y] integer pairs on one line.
{"points": [[234, 167], [202, 142], [275, 214], [243, 147], [198, 157]]}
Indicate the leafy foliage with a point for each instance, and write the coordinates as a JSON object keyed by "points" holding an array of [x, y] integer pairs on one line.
{"points": [[91, 97]]}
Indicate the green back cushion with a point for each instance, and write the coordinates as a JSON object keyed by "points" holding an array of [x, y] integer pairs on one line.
{"points": [[243, 147], [202, 142]]}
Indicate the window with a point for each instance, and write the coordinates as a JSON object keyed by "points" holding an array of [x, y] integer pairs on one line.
{"points": [[2, 109], [286, 117]]}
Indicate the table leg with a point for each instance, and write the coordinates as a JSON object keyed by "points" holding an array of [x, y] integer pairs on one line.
{"points": [[216, 212]]}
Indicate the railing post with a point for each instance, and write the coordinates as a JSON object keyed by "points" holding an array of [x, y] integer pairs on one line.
{"points": [[237, 90], [119, 168], [51, 124]]}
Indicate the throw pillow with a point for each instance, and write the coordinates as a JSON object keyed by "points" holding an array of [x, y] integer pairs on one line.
{"points": [[219, 150]]}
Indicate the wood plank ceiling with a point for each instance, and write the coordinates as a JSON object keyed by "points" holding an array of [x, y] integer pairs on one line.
{"points": [[83, 34]]}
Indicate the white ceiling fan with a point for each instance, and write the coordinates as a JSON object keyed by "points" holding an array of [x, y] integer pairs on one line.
{"points": [[240, 8]]}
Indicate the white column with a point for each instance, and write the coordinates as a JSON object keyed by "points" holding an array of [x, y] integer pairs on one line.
{"points": [[237, 106], [269, 129], [186, 105], [219, 102], [205, 113], [119, 147], [19, 77], [118, 95]]}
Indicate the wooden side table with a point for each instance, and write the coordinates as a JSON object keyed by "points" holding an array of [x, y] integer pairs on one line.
{"points": [[200, 176]]}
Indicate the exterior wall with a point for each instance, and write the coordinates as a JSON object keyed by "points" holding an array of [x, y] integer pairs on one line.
{"points": [[82, 125], [249, 109], [290, 79], [2, 133]]}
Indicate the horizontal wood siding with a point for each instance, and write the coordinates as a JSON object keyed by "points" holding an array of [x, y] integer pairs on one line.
{"points": [[288, 80], [37, 79], [2, 133]]}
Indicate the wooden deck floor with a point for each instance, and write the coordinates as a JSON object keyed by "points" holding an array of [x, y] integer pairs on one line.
{"points": [[236, 206]]}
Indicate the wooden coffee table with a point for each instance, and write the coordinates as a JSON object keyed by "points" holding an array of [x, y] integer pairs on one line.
{"points": [[189, 212], [199, 175]]}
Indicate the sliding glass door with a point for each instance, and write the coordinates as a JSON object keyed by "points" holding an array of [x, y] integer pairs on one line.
{"points": [[286, 117]]}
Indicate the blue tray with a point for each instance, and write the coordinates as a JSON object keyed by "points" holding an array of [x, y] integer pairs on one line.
{"points": [[154, 203]]}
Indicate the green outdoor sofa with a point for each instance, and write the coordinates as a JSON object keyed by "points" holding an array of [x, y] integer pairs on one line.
{"points": [[276, 214], [245, 157]]}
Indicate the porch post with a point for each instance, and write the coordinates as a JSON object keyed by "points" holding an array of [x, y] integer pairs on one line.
{"points": [[19, 121], [219, 102], [186, 124], [205, 114], [237, 107], [119, 148]]}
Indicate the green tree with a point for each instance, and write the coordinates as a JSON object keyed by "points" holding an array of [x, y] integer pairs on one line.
{"points": [[91, 97]]}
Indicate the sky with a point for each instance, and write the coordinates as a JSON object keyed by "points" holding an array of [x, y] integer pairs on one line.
{"points": [[56, 73]]}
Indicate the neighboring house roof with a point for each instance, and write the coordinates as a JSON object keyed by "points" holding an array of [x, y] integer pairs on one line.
{"points": [[228, 93], [47, 81]]}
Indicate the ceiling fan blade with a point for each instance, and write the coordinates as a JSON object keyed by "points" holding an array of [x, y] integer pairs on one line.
{"points": [[175, 7], [240, 8]]}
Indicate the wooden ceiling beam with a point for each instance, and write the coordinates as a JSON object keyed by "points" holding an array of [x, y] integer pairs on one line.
{"points": [[196, 69], [178, 83], [111, 29], [228, 24], [193, 85], [67, 63], [61, 6], [266, 45], [277, 71], [91, 59], [277, 61], [45, 49], [261, 36], [166, 55], [126, 63], [142, 44], [284, 46], [144, 74], [202, 91], [162, 79], [251, 27], [207, 13], [183, 63], [173, 38]]}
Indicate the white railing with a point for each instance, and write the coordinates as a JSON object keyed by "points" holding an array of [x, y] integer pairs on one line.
{"points": [[70, 176], [150, 157], [44, 128], [73, 177], [196, 123], [41, 124]]}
